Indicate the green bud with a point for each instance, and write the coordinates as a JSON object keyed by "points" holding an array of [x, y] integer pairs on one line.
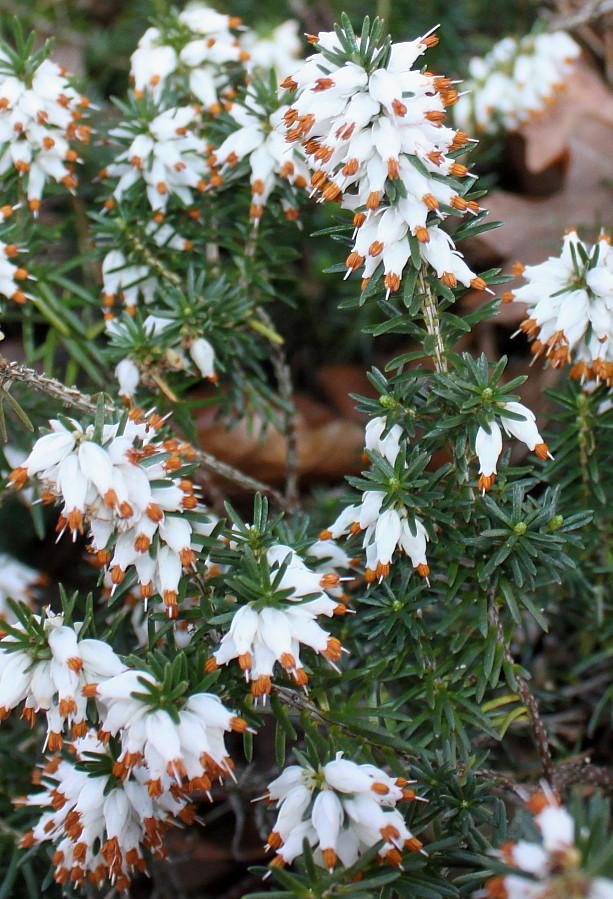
{"points": [[488, 395], [397, 606], [556, 522], [520, 528], [386, 401]]}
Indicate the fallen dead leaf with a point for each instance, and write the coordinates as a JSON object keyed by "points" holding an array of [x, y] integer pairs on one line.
{"points": [[582, 124], [329, 446]]}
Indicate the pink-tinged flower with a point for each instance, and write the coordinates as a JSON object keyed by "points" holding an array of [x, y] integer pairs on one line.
{"points": [[488, 446], [342, 809]]}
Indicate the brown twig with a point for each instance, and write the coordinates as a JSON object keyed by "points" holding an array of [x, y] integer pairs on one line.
{"points": [[211, 463], [526, 696], [67, 396]]}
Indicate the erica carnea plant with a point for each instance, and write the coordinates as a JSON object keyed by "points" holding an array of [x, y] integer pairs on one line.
{"points": [[385, 635]]}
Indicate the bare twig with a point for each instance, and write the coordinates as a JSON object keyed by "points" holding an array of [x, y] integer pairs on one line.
{"points": [[526, 696], [67, 396], [73, 398], [211, 463]]}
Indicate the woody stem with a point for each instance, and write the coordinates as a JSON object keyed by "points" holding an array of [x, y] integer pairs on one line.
{"points": [[432, 321]]}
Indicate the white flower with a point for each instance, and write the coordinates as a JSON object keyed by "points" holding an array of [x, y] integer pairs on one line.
{"points": [[49, 669], [570, 316], [203, 355], [199, 40], [271, 159], [278, 49], [488, 447], [516, 81], [363, 132], [384, 534], [98, 825], [261, 638], [343, 809], [11, 275], [38, 119], [167, 155], [128, 375], [106, 487], [151, 63], [187, 746], [388, 446], [126, 281]]}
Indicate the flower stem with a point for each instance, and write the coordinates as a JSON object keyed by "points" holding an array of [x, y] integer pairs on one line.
{"points": [[527, 697], [432, 321]]}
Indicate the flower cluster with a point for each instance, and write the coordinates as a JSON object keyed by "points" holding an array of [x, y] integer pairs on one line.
{"points": [[550, 868], [48, 666], [385, 532], [125, 280], [488, 444], [202, 42], [388, 530], [39, 116], [343, 809], [375, 137], [278, 49], [516, 81], [262, 635], [271, 159], [200, 350], [185, 744], [98, 824], [164, 153], [121, 485], [570, 316]]}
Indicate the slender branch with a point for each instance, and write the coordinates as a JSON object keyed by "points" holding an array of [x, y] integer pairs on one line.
{"points": [[433, 324], [283, 375], [526, 696], [67, 396], [73, 398], [152, 261], [211, 463], [318, 716], [588, 11]]}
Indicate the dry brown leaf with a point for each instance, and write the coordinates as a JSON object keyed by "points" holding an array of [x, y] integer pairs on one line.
{"points": [[586, 98], [532, 228], [329, 446]]}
